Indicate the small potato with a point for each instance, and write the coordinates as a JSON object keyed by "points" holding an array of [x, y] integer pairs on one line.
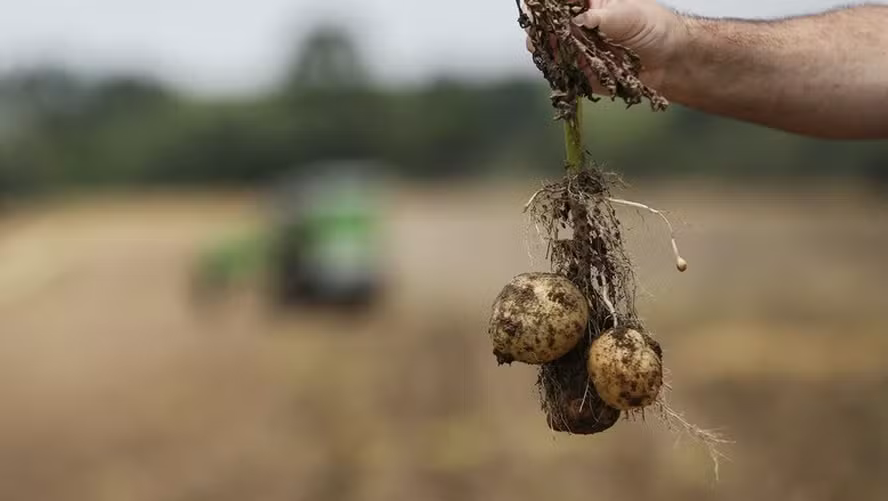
{"points": [[626, 368], [537, 318]]}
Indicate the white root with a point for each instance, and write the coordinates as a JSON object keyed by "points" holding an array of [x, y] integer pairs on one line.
{"points": [[530, 202], [680, 262], [539, 192], [610, 306], [710, 439], [585, 396]]}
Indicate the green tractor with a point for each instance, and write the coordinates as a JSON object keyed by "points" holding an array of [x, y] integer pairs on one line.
{"points": [[322, 245], [325, 246]]}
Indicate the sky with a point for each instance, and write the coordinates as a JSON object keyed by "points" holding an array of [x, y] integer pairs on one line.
{"points": [[240, 46]]}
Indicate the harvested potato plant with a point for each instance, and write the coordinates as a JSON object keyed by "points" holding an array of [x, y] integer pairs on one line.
{"points": [[589, 376]]}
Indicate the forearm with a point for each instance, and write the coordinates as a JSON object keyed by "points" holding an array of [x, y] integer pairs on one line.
{"points": [[824, 75]]}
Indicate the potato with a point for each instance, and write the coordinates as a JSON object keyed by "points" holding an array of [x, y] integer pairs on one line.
{"points": [[626, 368], [537, 318]]}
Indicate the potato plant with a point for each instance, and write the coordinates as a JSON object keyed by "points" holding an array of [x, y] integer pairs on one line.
{"points": [[591, 375]]}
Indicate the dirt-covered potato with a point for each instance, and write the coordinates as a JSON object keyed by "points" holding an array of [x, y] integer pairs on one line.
{"points": [[537, 318], [626, 368]]}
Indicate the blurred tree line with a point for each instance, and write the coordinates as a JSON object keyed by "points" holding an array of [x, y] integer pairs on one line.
{"points": [[58, 130]]}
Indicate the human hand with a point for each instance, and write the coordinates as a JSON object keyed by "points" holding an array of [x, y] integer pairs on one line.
{"points": [[653, 31]]}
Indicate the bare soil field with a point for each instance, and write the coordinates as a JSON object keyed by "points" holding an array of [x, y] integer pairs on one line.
{"points": [[116, 385]]}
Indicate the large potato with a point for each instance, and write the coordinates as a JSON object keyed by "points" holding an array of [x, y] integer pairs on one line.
{"points": [[626, 368], [537, 318]]}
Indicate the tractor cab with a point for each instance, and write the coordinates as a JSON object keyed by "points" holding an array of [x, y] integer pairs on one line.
{"points": [[325, 238]]}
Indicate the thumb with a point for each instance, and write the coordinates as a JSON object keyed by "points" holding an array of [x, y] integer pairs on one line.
{"points": [[590, 19], [621, 22]]}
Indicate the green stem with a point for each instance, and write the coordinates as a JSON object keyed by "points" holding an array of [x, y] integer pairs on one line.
{"points": [[573, 140]]}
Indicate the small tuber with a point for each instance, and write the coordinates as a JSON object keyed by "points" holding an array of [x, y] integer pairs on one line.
{"points": [[626, 368]]}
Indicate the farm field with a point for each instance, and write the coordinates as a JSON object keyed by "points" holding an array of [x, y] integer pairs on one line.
{"points": [[117, 384]]}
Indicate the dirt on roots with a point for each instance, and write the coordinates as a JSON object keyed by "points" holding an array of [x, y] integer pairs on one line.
{"points": [[585, 244], [575, 216]]}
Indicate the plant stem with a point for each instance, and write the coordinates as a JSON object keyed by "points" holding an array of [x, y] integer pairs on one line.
{"points": [[573, 139]]}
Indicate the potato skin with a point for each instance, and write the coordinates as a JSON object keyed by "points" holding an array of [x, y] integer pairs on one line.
{"points": [[537, 318], [626, 368]]}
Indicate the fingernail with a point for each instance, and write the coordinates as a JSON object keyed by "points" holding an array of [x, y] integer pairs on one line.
{"points": [[580, 20]]}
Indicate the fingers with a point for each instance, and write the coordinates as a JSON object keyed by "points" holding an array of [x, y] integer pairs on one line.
{"points": [[590, 19], [592, 77], [582, 63], [623, 22]]}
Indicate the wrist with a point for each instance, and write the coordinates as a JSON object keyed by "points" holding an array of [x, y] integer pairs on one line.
{"points": [[686, 53], [680, 35]]}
